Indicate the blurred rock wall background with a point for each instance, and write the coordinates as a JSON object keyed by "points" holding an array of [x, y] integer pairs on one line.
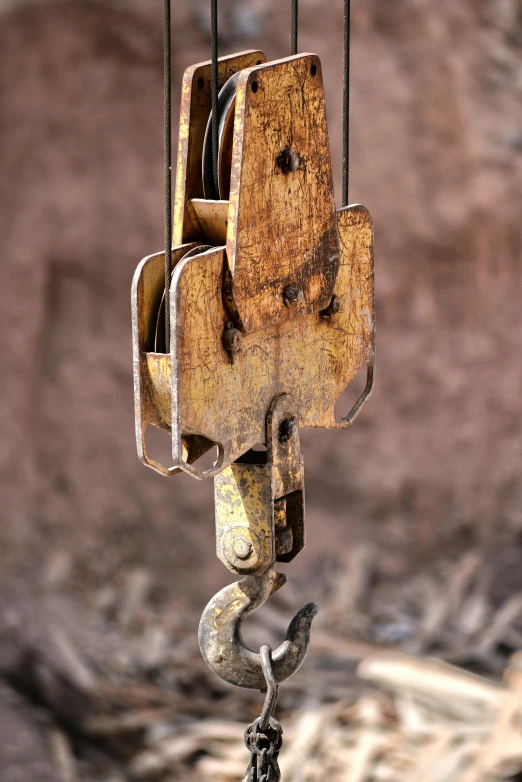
{"points": [[434, 460]]}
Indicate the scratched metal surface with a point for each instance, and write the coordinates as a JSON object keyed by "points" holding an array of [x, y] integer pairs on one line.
{"points": [[281, 221], [311, 358]]}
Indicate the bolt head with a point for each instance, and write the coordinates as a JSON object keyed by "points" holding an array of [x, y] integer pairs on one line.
{"points": [[335, 304], [333, 308], [242, 548], [288, 161], [288, 430], [232, 338], [291, 295]]}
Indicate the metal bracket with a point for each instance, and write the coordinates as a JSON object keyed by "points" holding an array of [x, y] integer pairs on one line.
{"points": [[260, 498]]}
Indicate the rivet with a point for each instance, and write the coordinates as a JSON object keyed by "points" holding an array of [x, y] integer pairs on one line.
{"points": [[333, 308], [242, 548]]}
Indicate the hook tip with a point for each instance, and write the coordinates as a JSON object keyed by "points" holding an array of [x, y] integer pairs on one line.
{"points": [[300, 626]]}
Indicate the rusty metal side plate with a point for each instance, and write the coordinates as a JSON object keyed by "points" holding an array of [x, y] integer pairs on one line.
{"points": [[152, 371], [312, 358], [195, 109], [281, 222]]}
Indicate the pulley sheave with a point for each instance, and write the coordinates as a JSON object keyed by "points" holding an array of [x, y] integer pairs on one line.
{"points": [[219, 190]]}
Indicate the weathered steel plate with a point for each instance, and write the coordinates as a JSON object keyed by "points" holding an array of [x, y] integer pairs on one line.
{"points": [[281, 223], [153, 371], [196, 103], [311, 358]]}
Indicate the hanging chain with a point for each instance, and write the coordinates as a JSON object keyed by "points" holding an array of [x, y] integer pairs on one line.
{"points": [[168, 170], [346, 102], [264, 737]]}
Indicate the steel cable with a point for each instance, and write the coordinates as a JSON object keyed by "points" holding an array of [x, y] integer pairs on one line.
{"points": [[294, 26], [346, 103], [168, 170], [214, 85]]}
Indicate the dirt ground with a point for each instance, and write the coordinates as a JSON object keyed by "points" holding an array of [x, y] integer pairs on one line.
{"points": [[432, 467]]}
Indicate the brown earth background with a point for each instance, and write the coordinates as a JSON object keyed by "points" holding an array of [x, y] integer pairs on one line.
{"points": [[433, 464]]}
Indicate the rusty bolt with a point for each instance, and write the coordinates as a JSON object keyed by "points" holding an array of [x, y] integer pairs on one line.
{"points": [[288, 160], [333, 308], [287, 430], [232, 338], [242, 548], [291, 295]]}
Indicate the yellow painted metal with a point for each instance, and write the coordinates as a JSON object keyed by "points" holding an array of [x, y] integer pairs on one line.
{"points": [[197, 393], [152, 372], [245, 517], [194, 112], [211, 217], [312, 358], [281, 223], [268, 327], [260, 499]]}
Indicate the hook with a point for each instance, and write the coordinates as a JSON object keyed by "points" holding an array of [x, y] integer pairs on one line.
{"points": [[220, 638]]}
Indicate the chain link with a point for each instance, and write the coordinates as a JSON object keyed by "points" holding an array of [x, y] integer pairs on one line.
{"points": [[264, 746], [264, 737]]}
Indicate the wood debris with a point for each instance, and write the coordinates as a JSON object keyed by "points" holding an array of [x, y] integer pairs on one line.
{"points": [[405, 682]]}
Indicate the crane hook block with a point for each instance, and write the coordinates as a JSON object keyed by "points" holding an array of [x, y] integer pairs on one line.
{"points": [[272, 288]]}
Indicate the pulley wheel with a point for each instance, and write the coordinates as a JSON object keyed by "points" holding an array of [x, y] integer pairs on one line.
{"points": [[220, 190], [159, 338]]}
